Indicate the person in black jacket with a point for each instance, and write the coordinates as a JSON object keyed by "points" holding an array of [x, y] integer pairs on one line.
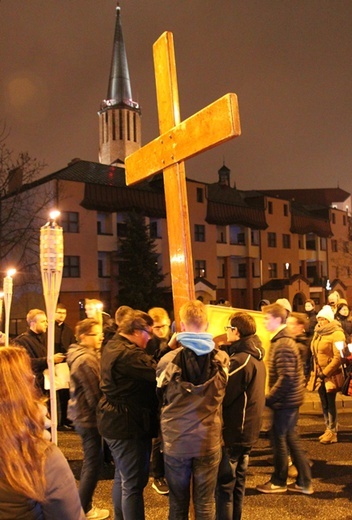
{"points": [[64, 337], [157, 347], [35, 342], [243, 408], [286, 392], [296, 327], [127, 411], [309, 309]]}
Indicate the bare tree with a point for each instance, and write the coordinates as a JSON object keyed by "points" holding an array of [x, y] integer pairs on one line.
{"points": [[23, 207]]}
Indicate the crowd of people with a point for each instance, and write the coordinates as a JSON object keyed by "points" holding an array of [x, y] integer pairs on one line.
{"points": [[185, 408]]}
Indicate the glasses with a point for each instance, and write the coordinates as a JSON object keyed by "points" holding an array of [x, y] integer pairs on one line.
{"points": [[150, 334], [229, 327]]}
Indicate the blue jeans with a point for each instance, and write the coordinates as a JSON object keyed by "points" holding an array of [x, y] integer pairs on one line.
{"points": [[231, 484], [328, 404], [203, 471], [157, 462], [285, 441], [131, 457], [92, 459]]}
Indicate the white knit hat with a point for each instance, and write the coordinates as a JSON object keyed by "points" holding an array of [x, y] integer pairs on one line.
{"points": [[285, 304], [327, 313]]}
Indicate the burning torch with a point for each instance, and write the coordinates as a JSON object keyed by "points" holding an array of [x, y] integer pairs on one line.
{"points": [[51, 266]]}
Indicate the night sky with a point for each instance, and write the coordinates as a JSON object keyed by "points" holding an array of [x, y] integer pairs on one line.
{"points": [[289, 62]]}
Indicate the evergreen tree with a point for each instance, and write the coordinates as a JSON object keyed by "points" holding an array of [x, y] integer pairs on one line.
{"points": [[139, 274]]}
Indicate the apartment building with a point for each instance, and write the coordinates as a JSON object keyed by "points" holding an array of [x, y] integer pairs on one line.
{"points": [[247, 245]]}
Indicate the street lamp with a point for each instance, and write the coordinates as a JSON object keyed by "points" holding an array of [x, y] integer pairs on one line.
{"points": [[51, 266], [8, 290]]}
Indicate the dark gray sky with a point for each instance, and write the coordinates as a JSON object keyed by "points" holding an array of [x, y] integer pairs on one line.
{"points": [[289, 62]]}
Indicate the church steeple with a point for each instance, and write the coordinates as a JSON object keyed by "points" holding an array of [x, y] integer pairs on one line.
{"points": [[119, 125]]}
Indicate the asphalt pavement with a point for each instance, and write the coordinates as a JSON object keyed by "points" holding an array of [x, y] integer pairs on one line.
{"points": [[332, 473]]}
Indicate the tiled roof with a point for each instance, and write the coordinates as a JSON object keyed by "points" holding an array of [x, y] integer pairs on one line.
{"points": [[322, 196], [228, 206], [304, 221], [85, 171], [110, 198]]}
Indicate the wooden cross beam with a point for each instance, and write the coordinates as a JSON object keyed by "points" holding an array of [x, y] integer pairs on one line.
{"points": [[177, 142]]}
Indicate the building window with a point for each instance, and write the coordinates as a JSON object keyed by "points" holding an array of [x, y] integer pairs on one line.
{"points": [[346, 248], [287, 270], [221, 234], [311, 242], [200, 195], [103, 264], [237, 235], [128, 126], [113, 122], [134, 127], [286, 241], [256, 268], [272, 268], [255, 237], [104, 223], [154, 228], [120, 124], [334, 246], [200, 268], [301, 241], [242, 270], [71, 267], [344, 220], [285, 210], [221, 268], [199, 233], [270, 207], [121, 229], [322, 244], [312, 273], [333, 218], [70, 221], [271, 239]]}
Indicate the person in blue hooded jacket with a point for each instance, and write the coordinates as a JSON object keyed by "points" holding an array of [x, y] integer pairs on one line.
{"points": [[191, 384]]}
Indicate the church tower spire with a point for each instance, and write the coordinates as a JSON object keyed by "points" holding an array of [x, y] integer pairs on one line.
{"points": [[119, 115]]}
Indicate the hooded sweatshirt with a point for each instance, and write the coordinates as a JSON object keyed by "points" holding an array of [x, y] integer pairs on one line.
{"points": [[191, 383], [84, 385], [244, 400]]}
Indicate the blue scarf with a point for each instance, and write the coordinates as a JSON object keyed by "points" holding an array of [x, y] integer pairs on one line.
{"points": [[201, 343]]}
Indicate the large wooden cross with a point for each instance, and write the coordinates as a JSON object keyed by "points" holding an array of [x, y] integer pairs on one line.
{"points": [[178, 141]]}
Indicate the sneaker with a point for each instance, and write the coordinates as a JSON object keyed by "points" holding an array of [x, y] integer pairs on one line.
{"points": [[300, 489], [269, 487], [161, 486], [292, 471], [323, 435], [97, 514], [329, 438]]}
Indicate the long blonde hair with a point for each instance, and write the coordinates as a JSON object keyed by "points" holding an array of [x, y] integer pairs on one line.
{"points": [[22, 445]]}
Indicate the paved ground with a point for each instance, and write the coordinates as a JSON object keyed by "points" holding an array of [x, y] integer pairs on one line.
{"points": [[332, 473]]}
